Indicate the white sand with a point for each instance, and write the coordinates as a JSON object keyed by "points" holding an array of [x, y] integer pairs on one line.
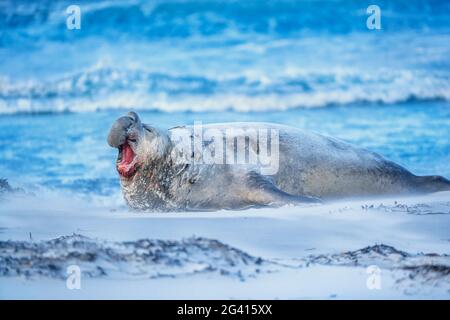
{"points": [[288, 235]]}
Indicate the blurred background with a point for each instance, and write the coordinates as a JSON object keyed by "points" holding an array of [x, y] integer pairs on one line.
{"points": [[310, 64]]}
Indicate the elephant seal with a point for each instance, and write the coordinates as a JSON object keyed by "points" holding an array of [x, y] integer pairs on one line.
{"points": [[160, 170]]}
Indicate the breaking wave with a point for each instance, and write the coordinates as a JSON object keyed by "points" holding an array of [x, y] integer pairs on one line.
{"points": [[107, 88], [195, 55]]}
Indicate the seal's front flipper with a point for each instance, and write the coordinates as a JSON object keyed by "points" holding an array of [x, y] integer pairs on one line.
{"points": [[264, 192]]}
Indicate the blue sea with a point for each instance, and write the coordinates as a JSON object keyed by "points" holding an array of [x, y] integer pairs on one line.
{"points": [[310, 64]]}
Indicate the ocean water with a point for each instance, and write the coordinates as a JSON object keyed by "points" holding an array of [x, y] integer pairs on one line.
{"points": [[309, 64]]}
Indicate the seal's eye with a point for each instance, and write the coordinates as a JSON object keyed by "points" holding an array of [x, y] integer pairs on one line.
{"points": [[148, 128], [132, 139]]}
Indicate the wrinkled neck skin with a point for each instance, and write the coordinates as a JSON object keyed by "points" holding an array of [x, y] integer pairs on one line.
{"points": [[150, 187]]}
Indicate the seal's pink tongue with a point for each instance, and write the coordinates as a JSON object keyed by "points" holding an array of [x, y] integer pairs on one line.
{"points": [[128, 155], [124, 167]]}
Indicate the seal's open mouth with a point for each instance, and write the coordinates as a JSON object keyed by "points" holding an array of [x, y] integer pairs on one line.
{"points": [[126, 164]]}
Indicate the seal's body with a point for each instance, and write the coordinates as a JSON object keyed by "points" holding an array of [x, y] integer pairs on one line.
{"points": [[160, 171]]}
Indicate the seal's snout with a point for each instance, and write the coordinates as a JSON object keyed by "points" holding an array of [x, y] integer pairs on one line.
{"points": [[120, 130], [123, 135], [134, 116], [118, 134]]}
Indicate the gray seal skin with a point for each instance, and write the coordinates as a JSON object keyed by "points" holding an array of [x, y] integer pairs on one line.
{"points": [[155, 175]]}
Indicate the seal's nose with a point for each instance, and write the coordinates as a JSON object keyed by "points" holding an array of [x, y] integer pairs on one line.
{"points": [[118, 133], [134, 116]]}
